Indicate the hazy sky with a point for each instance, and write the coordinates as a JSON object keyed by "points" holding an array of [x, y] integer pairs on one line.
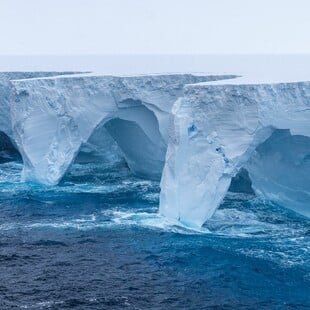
{"points": [[154, 26]]}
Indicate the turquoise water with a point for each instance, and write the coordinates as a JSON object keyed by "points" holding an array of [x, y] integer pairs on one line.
{"points": [[96, 241]]}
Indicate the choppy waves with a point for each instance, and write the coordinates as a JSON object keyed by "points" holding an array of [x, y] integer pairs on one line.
{"points": [[107, 215]]}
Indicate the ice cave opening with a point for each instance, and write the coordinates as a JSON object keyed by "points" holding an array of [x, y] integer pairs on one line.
{"points": [[129, 139], [8, 151], [241, 183], [144, 156], [279, 171]]}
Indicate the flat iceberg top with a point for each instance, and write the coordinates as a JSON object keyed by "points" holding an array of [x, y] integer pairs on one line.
{"points": [[97, 75], [215, 78]]}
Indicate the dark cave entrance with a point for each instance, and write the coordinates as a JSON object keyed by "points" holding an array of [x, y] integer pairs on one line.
{"points": [[241, 183], [8, 152]]}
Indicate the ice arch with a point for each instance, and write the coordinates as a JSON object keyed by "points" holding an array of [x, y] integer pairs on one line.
{"points": [[134, 129], [130, 136], [53, 117], [215, 132]]}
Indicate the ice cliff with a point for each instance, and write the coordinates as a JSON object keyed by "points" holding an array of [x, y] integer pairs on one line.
{"points": [[6, 91], [7, 141], [219, 128], [194, 132]]}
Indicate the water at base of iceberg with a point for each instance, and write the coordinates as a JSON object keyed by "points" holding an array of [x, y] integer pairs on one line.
{"points": [[96, 241]]}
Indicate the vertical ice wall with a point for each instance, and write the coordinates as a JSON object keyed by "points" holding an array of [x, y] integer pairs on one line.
{"points": [[7, 142], [6, 92]]}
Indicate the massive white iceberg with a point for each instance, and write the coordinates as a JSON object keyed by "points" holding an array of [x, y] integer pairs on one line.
{"points": [[194, 134], [53, 119], [219, 128]]}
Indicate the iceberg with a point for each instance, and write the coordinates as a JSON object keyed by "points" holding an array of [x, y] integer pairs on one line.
{"points": [[200, 135]]}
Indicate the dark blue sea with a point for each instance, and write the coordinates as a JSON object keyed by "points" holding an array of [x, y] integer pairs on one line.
{"points": [[96, 241]]}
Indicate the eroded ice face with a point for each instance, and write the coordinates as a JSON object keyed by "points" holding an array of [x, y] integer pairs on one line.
{"points": [[219, 129]]}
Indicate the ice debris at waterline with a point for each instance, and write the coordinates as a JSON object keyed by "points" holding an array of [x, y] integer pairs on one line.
{"points": [[194, 132]]}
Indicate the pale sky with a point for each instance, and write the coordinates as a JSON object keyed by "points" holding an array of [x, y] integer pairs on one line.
{"points": [[79, 27]]}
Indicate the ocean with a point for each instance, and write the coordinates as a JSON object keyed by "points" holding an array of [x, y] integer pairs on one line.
{"points": [[96, 241]]}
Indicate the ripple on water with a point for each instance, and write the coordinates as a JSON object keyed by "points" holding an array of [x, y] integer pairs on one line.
{"points": [[84, 242]]}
